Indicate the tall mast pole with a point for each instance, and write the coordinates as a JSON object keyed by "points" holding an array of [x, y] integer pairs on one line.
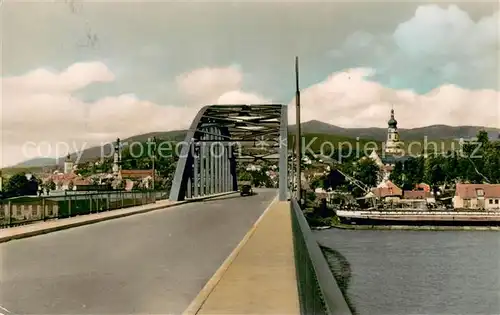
{"points": [[292, 175], [298, 138], [153, 158]]}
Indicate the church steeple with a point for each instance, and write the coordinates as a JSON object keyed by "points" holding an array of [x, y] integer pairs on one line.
{"points": [[393, 123], [117, 158], [393, 145]]}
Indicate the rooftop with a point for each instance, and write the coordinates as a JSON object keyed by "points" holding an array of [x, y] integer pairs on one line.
{"points": [[136, 173], [478, 190]]}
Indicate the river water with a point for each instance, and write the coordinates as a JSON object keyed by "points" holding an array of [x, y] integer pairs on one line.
{"points": [[418, 272]]}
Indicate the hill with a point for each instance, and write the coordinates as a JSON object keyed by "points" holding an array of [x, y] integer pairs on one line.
{"points": [[36, 162], [323, 143], [97, 151], [442, 132]]}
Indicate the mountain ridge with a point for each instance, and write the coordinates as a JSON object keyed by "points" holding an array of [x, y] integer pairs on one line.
{"points": [[433, 132], [444, 132]]}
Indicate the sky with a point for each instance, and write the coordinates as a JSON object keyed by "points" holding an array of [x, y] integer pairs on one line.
{"points": [[80, 73]]}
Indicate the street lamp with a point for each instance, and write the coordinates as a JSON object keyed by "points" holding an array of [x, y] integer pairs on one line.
{"points": [[298, 133], [153, 158]]}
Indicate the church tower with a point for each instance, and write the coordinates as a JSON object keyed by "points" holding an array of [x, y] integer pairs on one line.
{"points": [[393, 144], [68, 165], [117, 158]]}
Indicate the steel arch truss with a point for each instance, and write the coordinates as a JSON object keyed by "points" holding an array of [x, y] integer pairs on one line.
{"points": [[219, 136]]}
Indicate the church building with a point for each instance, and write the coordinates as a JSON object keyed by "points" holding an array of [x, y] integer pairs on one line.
{"points": [[392, 151], [393, 144]]}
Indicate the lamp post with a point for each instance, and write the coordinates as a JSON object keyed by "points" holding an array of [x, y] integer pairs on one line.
{"points": [[298, 133], [153, 158]]}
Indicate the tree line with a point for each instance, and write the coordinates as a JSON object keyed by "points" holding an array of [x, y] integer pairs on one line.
{"points": [[476, 162], [19, 185], [473, 162]]}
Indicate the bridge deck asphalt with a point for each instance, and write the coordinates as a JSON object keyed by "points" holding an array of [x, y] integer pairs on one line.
{"points": [[153, 263]]}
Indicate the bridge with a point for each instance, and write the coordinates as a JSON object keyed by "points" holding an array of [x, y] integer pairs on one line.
{"points": [[205, 251]]}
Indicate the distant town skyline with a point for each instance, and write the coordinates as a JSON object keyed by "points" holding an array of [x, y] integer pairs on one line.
{"points": [[77, 72]]}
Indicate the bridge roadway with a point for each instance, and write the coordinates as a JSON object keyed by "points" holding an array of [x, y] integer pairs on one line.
{"points": [[153, 263]]}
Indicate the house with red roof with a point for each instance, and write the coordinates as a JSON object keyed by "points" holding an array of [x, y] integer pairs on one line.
{"points": [[136, 177], [387, 190], [477, 196], [423, 186]]}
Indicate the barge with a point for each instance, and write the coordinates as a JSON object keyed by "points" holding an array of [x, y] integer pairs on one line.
{"points": [[419, 217]]}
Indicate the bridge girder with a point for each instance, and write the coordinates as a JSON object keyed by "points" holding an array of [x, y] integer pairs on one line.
{"points": [[215, 141]]}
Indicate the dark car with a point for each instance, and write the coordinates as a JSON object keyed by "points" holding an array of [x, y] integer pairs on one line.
{"points": [[246, 190]]}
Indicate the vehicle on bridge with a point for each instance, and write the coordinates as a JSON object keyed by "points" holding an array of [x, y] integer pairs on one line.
{"points": [[246, 190]]}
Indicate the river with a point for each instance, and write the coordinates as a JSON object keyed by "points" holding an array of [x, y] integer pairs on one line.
{"points": [[418, 272]]}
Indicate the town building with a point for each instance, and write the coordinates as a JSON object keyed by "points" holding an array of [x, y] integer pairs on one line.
{"points": [[418, 198], [390, 193], [68, 179], [423, 186], [387, 191], [68, 165], [134, 178], [477, 196]]}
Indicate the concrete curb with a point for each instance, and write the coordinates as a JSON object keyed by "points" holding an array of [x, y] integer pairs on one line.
{"points": [[195, 306], [101, 219]]}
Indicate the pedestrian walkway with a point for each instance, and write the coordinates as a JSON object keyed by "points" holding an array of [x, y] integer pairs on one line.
{"points": [[259, 277]]}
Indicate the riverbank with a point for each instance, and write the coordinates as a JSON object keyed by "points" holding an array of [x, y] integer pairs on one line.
{"points": [[407, 227]]}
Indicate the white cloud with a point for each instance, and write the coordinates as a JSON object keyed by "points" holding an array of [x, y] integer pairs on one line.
{"points": [[434, 29], [438, 45], [43, 82], [350, 99], [40, 107], [209, 83], [240, 97], [216, 86]]}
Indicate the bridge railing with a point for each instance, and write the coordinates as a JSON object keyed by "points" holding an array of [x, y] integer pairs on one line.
{"points": [[318, 290], [30, 209]]}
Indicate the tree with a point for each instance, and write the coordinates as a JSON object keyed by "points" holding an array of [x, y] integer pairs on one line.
{"points": [[474, 162], [49, 184], [334, 179], [397, 175], [433, 170], [367, 172], [451, 167], [244, 176], [483, 139], [318, 182], [414, 170], [19, 185], [492, 163]]}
